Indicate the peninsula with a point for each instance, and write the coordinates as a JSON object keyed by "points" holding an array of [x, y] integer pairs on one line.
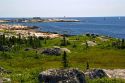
{"points": [[24, 31]]}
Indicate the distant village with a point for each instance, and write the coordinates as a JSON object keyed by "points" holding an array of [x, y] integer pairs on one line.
{"points": [[38, 19]]}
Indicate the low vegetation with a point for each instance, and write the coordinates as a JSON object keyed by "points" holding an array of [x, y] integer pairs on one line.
{"points": [[24, 57]]}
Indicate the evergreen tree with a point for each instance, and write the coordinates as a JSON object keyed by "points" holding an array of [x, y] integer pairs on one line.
{"points": [[87, 66], [0, 39], [64, 40], [86, 45], [3, 39], [19, 38], [74, 45], [45, 40], [30, 41], [65, 60], [123, 44]]}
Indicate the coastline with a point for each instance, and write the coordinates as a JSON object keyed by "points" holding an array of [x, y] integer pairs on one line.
{"points": [[38, 19], [26, 31], [29, 53]]}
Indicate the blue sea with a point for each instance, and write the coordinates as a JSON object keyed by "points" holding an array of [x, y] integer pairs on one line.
{"points": [[109, 26]]}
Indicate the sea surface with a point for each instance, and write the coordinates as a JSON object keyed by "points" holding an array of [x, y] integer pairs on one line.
{"points": [[109, 26]]}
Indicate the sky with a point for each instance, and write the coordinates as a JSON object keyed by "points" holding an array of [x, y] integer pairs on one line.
{"points": [[60, 8]]}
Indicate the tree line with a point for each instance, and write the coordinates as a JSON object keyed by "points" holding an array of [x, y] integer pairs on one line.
{"points": [[30, 41]]}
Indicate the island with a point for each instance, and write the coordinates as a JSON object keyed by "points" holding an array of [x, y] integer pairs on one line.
{"points": [[38, 19]]}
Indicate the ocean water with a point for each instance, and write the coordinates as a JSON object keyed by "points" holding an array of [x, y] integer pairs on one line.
{"points": [[109, 26]]}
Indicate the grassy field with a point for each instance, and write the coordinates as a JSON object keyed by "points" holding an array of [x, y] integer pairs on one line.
{"points": [[26, 65]]}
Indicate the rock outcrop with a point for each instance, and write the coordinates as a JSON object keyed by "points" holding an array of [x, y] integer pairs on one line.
{"points": [[90, 43], [4, 48], [52, 51], [62, 76], [96, 73], [3, 79], [2, 70], [100, 73], [115, 73], [55, 51], [76, 76]]}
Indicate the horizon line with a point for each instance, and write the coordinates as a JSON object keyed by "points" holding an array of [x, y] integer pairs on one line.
{"points": [[58, 16]]}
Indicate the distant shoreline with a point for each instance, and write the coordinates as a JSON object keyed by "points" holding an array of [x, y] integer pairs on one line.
{"points": [[59, 16], [26, 31], [37, 19], [109, 26]]}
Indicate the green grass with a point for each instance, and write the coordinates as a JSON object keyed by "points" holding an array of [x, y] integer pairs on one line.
{"points": [[25, 65], [105, 80]]}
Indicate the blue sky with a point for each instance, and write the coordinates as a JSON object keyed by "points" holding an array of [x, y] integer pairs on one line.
{"points": [[60, 8]]}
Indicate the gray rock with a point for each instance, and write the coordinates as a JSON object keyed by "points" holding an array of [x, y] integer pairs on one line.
{"points": [[27, 49], [2, 79], [115, 73], [56, 50], [6, 80], [4, 48], [66, 50], [96, 73], [62, 76], [52, 51], [2, 70]]}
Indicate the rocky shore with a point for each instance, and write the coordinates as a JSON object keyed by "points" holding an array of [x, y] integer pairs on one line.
{"points": [[25, 31]]}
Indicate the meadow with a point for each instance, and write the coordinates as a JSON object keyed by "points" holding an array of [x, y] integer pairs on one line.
{"points": [[25, 59]]}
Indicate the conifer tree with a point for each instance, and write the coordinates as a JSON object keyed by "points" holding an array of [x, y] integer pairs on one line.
{"points": [[64, 40], [123, 44], [86, 45], [87, 66], [65, 60], [3, 39]]}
